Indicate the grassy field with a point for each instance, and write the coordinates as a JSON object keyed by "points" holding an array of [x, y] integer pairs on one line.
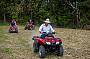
{"points": [[19, 45]]}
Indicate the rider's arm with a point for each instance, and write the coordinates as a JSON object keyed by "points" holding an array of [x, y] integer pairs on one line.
{"points": [[52, 29], [15, 22], [40, 28]]}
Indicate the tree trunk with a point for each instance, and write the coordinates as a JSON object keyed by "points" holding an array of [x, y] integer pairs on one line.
{"points": [[77, 13], [77, 16]]}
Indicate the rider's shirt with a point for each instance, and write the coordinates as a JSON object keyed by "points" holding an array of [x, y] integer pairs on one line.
{"points": [[46, 29]]}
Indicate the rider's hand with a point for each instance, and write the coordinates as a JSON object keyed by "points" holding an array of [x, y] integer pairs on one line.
{"points": [[48, 32], [41, 32], [53, 32]]}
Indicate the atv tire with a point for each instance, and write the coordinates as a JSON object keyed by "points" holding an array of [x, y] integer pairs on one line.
{"points": [[27, 28], [41, 52], [61, 51], [35, 49], [16, 31]]}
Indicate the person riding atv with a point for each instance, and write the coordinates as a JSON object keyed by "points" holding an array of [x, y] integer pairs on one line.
{"points": [[13, 27], [30, 25], [47, 42], [45, 28]]}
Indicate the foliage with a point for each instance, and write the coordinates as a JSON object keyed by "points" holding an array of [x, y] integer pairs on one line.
{"points": [[60, 12]]}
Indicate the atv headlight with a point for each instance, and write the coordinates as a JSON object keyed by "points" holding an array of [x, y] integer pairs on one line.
{"points": [[57, 42], [48, 43]]}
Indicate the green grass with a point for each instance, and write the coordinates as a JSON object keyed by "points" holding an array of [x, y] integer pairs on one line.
{"points": [[6, 50], [3, 23]]}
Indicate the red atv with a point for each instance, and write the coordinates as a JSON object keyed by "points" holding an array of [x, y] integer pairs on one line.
{"points": [[13, 29], [47, 44], [29, 26]]}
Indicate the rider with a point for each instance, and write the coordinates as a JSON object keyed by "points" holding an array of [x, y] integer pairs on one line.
{"points": [[46, 27], [30, 22], [13, 23]]}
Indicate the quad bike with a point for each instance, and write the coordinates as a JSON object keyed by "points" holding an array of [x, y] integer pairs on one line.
{"points": [[29, 27], [47, 44], [13, 29]]}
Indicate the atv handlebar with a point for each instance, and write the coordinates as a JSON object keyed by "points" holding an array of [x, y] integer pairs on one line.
{"points": [[49, 33]]}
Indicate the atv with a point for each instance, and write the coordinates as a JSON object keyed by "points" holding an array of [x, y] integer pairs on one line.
{"points": [[13, 29], [47, 44], [29, 27]]}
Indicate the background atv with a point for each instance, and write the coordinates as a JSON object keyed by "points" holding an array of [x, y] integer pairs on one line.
{"points": [[47, 44], [29, 27], [13, 29]]}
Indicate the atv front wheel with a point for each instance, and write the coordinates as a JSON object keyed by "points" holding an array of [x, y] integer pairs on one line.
{"points": [[16, 30], [35, 48], [61, 51], [41, 51]]}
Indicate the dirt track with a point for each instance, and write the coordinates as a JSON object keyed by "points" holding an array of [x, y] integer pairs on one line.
{"points": [[19, 46]]}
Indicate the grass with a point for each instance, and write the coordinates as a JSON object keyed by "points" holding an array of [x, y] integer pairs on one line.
{"points": [[3, 23], [19, 46], [6, 50]]}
